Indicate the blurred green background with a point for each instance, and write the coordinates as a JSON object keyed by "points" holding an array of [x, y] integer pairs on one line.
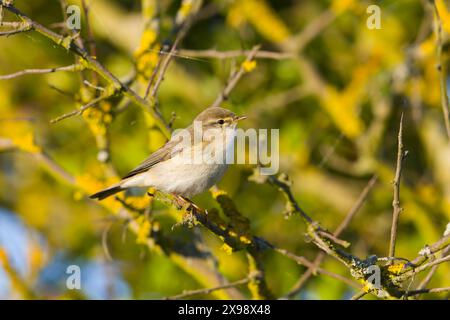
{"points": [[335, 93]]}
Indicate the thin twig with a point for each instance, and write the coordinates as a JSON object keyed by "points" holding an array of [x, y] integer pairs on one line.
{"points": [[426, 266], [305, 262], [426, 253], [90, 34], [234, 78], [71, 68], [153, 75], [90, 37], [311, 30], [358, 295], [180, 36], [422, 291], [343, 225], [190, 293], [79, 111], [430, 274], [396, 201], [105, 246], [93, 86], [357, 206], [216, 54]]}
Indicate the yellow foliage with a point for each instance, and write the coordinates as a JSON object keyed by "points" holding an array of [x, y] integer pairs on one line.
{"points": [[155, 137], [342, 109], [427, 47], [187, 8], [382, 44], [444, 14], [98, 118], [249, 65], [149, 36], [367, 286], [430, 77], [218, 192], [21, 133], [26, 143], [227, 249], [339, 6], [343, 106], [88, 183], [3, 257], [37, 258], [261, 16], [144, 230], [16, 281], [138, 202]]}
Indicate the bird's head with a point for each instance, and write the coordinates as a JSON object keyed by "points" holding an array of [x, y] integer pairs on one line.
{"points": [[218, 118]]}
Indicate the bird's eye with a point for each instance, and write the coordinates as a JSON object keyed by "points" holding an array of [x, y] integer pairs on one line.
{"points": [[221, 121]]}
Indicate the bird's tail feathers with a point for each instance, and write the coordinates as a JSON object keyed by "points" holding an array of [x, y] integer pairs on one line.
{"points": [[107, 192]]}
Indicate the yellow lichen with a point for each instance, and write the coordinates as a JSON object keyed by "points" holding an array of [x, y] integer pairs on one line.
{"points": [[144, 230], [226, 248], [26, 143], [249, 65], [245, 239], [396, 268]]}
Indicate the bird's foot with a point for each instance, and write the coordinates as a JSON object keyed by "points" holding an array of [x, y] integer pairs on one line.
{"points": [[183, 202], [192, 206], [180, 203]]}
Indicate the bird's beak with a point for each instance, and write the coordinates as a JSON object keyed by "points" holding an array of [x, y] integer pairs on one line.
{"points": [[239, 118]]}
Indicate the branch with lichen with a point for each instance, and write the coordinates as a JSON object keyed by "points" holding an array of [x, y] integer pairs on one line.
{"points": [[90, 63], [314, 268], [147, 232], [392, 275], [70, 68]]}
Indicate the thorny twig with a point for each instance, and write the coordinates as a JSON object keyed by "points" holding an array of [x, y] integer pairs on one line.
{"points": [[190, 293], [216, 54], [344, 224], [71, 68], [88, 105], [396, 201]]}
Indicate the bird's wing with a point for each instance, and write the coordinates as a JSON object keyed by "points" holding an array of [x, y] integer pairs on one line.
{"points": [[162, 154]]}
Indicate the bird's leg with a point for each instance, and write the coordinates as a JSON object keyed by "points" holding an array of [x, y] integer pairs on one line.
{"points": [[192, 204], [179, 202], [188, 217]]}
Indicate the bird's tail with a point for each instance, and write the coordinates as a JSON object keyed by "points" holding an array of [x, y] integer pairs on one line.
{"points": [[107, 192]]}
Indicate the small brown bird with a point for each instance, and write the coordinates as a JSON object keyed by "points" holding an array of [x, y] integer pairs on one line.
{"points": [[168, 171]]}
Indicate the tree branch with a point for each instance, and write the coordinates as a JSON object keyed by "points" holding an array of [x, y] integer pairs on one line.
{"points": [[190, 293], [92, 64], [216, 54], [71, 68], [396, 202], [234, 78], [344, 224]]}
